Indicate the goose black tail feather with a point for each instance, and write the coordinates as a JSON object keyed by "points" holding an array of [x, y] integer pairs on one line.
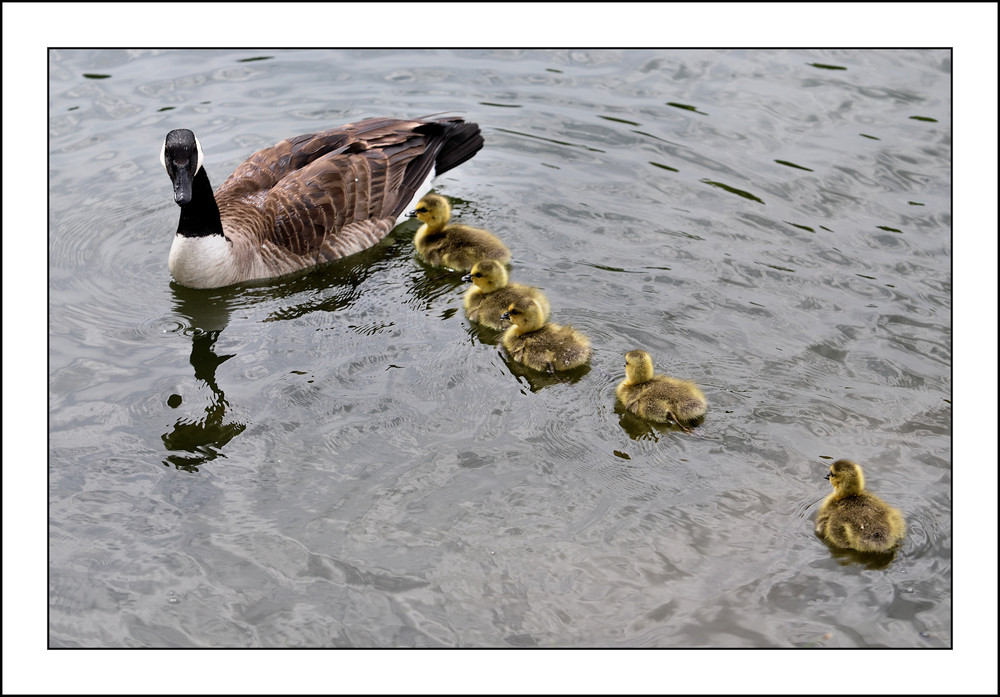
{"points": [[462, 141]]}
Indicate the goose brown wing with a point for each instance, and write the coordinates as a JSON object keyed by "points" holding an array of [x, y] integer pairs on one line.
{"points": [[333, 207], [447, 143], [340, 191], [265, 168]]}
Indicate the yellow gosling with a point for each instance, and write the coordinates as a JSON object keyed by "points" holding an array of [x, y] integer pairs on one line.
{"points": [[491, 294], [853, 518], [455, 246], [658, 397], [539, 345]]}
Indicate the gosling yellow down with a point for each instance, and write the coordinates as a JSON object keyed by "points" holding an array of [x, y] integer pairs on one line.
{"points": [[456, 246], [539, 345], [853, 518], [491, 294], [658, 397]]}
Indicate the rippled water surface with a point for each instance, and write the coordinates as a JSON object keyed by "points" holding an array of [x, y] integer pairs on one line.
{"points": [[342, 459]]}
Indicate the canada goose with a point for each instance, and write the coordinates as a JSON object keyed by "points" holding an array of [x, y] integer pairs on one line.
{"points": [[308, 199], [540, 345], [456, 246], [491, 294], [854, 518], [658, 397]]}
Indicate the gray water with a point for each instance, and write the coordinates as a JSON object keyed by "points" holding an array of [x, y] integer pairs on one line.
{"points": [[341, 459]]}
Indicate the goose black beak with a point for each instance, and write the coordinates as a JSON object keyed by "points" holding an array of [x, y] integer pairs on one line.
{"points": [[827, 477], [467, 278], [412, 214], [505, 315], [182, 186]]}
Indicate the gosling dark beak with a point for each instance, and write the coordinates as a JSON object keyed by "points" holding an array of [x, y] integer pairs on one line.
{"points": [[467, 278], [828, 475], [505, 315], [412, 214]]}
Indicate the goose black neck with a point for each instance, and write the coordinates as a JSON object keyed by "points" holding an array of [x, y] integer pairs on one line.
{"points": [[200, 217]]}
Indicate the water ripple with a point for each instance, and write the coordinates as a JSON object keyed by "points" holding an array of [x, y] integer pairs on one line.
{"points": [[351, 462]]}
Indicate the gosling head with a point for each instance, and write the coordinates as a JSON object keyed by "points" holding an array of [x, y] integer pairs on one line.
{"points": [[433, 210], [638, 367], [488, 276], [181, 156], [846, 478], [526, 314]]}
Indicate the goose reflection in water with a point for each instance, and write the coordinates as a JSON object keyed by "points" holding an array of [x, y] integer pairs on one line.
{"points": [[200, 438], [195, 440]]}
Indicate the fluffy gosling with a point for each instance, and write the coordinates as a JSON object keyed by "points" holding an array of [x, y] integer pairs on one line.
{"points": [[456, 246], [539, 345], [658, 397], [491, 294], [853, 518]]}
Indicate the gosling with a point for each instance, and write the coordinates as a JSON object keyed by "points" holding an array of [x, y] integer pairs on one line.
{"points": [[853, 518], [659, 397], [456, 246], [491, 294], [539, 345]]}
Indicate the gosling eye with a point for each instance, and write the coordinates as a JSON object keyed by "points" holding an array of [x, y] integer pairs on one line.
{"points": [[422, 209]]}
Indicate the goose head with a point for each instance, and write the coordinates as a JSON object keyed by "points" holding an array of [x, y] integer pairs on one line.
{"points": [[433, 210], [846, 478], [182, 158], [638, 367], [525, 314], [488, 276]]}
